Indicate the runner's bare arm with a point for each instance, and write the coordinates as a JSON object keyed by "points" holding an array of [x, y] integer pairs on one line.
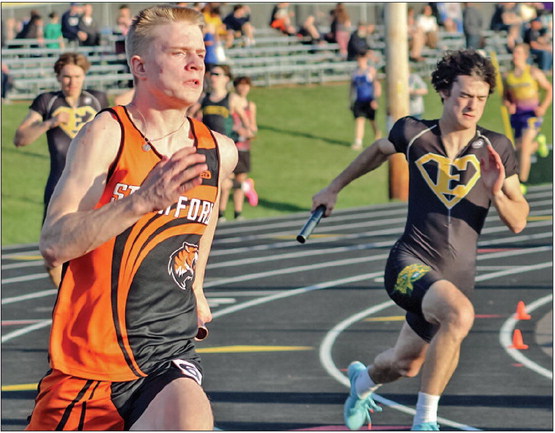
{"points": [[505, 193], [32, 127], [228, 158], [73, 227], [370, 159], [546, 85]]}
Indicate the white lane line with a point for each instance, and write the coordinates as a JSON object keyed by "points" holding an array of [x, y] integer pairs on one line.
{"points": [[23, 264], [329, 365], [23, 278], [294, 269], [26, 330], [294, 292], [505, 339], [34, 295], [346, 262], [394, 231]]}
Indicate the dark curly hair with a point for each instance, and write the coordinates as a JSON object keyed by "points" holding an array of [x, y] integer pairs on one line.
{"points": [[462, 62]]}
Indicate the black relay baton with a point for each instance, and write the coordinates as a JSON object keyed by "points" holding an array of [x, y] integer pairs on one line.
{"points": [[311, 223]]}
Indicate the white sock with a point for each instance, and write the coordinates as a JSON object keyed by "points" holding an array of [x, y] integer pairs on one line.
{"points": [[358, 142], [364, 385], [426, 408]]}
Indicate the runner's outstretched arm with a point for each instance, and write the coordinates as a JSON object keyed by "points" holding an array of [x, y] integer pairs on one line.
{"points": [[370, 159]]}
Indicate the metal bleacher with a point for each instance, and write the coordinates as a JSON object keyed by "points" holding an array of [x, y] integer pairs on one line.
{"points": [[275, 59]]}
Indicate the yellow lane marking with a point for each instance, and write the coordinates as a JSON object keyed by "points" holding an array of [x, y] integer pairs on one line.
{"points": [[23, 387], [246, 349], [540, 218], [222, 349], [385, 319], [22, 257]]}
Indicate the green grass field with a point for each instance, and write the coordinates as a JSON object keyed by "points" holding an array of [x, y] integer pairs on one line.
{"points": [[303, 142]]}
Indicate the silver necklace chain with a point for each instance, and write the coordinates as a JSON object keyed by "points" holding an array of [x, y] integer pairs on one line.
{"points": [[148, 140]]}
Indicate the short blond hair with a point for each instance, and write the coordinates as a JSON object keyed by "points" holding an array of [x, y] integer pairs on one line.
{"points": [[143, 24]]}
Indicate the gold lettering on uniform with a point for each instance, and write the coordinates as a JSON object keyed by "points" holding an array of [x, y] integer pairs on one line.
{"points": [[440, 186], [77, 118], [217, 110]]}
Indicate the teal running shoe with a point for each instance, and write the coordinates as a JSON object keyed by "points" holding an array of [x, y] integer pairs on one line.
{"points": [[543, 150], [426, 426], [356, 411]]}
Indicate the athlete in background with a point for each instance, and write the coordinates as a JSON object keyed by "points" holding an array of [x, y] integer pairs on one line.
{"points": [[457, 170], [132, 219], [364, 93], [217, 110], [527, 108], [61, 115]]}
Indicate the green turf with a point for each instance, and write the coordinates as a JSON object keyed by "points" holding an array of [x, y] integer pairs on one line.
{"points": [[303, 142]]}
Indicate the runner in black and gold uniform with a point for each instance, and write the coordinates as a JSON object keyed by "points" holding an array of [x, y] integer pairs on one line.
{"points": [[61, 115], [457, 170]]}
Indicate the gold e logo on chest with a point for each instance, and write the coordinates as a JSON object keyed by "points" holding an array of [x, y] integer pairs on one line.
{"points": [[77, 118], [447, 173]]}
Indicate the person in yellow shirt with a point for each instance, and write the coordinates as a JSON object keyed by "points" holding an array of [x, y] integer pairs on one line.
{"points": [[526, 107]]}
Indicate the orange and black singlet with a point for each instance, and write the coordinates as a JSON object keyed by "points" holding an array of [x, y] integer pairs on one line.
{"points": [[128, 304]]}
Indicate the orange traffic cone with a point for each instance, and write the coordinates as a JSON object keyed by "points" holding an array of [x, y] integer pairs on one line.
{"points": [[518, 343], [521, 313]]}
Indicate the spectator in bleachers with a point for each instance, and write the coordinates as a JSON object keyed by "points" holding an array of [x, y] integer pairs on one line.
{"points": [[9, 29], [281, 19], [527, 11], [238, 25], [522, 99], [450, 17], [61, 115], [540, 45], [123, 22], [417, 38], [33, 29], [308, 31], [70, 23], [365, 90], [472, 26], [53, 31], [90, 34], [505, 16], [6, 82], [213, 16], [341, 28], [426, 22]]}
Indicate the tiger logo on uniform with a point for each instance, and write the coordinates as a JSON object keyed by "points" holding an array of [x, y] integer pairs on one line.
{"points": [[182, 264]]}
